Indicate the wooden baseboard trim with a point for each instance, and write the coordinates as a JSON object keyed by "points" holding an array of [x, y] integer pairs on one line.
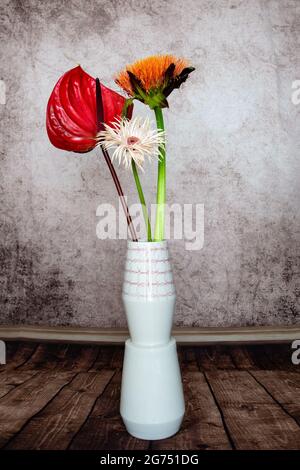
{"points": [[183, 335]]}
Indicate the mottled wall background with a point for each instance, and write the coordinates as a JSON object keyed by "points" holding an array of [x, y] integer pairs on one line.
{"points": [[233, 145]]}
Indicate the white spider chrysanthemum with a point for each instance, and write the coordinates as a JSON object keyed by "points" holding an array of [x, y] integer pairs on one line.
{"points": [[133, 140]]}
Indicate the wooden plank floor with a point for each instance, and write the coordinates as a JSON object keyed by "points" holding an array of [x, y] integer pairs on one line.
{"points": [[60, 396]]}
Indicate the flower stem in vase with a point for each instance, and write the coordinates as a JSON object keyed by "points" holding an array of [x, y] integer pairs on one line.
{"points": [[161, 182], [139, 188], [142, 200], [100, 115]]}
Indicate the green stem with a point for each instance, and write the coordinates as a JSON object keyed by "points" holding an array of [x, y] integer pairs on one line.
{"points": [[127, 103], [161, 183], [142, 200]]}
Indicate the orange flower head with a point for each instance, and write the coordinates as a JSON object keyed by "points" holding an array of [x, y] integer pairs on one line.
{"points": [[152, 79]]}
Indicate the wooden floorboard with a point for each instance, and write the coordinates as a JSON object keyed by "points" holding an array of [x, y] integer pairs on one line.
{"points": [[110, 357], [202, 427], [254, 420], [11, 380], [284, 387], [242, 358], [66, 396], [214, 358], [51, 429], [17, 354], [280, 356], [66, 356], [104, 428], [20, 404], [202, 414]]}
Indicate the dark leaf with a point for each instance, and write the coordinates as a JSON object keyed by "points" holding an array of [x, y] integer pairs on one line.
{"points": [[136, 84], [164, 103], [169, 72], [177, 81]]}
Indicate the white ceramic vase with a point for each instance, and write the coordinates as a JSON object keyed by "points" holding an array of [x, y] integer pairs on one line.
{"points": [[152, 402]]}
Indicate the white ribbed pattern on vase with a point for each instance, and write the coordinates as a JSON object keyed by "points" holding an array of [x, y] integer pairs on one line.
{"points": [[149, 293], [148, 273]]}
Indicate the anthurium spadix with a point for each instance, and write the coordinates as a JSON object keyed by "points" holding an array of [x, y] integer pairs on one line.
{"points": [[72, 112]]}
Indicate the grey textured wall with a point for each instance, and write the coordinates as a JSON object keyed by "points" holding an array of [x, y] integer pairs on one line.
{"points": [[233, 145]]}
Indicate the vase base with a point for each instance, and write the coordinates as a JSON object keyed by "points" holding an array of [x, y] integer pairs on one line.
{"points": [[152, 402], [152, 432]]}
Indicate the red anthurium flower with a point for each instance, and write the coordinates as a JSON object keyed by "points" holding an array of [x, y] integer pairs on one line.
{"points": [[71, 112]]}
